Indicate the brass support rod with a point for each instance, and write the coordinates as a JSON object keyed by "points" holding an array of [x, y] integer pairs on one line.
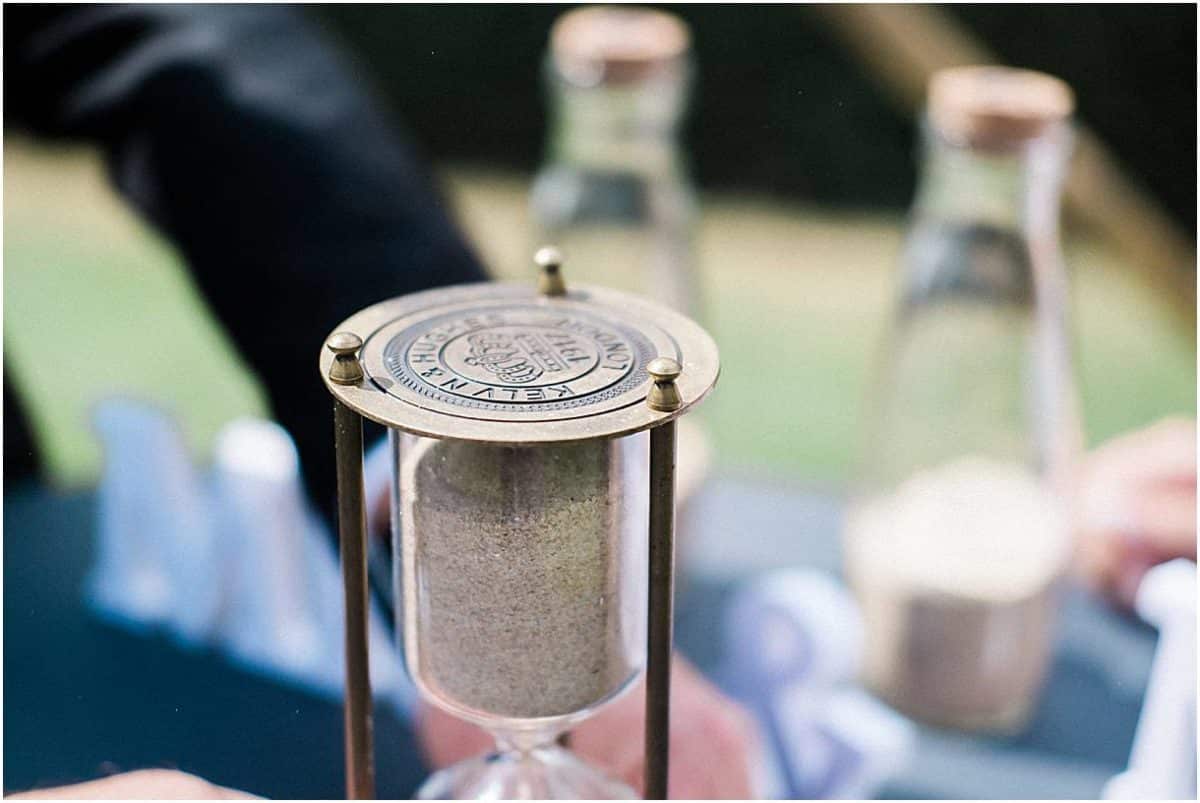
{"points": [[352, 535], [660, 630]]}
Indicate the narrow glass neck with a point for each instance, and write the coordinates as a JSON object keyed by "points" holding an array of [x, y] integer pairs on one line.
{"points": [[1017, 189], [632, 127], [526, 740]]}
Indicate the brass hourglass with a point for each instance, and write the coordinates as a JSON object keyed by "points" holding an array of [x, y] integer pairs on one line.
{"points": [[533, 449]]}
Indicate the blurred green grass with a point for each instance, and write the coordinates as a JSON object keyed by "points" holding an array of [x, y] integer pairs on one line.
{"points": [[97, 304]]}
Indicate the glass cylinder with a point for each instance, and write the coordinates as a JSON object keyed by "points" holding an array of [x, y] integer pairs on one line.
{"points": [[957, 532], [613, 191], [524, 579]]}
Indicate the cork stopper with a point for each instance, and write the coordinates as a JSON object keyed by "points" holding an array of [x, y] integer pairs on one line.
{"points": [[617, 44], [996, 107]]}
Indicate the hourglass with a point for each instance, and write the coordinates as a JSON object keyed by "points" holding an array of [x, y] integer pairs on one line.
{"points": [[532, 434]]}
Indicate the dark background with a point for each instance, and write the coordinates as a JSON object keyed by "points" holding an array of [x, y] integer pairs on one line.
{"points": [[779, 105]]}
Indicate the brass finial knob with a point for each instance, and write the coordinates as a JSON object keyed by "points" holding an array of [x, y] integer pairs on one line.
{"points": [[664, 395], [550, 260], [345, 369]]}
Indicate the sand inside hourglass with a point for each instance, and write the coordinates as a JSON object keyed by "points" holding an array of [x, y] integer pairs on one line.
{"points": [[524, 587]]}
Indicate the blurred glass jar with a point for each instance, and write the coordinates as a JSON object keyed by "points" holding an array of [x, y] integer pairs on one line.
{"points": [[613, 191], [958, 531]]}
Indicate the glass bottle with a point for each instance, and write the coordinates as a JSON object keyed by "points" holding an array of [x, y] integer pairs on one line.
{"points": [[957, 532], [613, 191]]}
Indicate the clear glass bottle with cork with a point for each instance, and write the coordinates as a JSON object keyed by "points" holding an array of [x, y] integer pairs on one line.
{"points": [[613, 191], [958, 529]]}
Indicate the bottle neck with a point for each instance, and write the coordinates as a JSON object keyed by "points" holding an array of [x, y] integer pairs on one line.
{"points": [[1018, 189], [632, 127]]}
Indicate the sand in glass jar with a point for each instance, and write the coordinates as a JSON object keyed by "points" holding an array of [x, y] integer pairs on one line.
{"points": [[956, 574]]}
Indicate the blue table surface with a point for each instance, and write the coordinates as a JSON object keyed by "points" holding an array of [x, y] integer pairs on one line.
{"points": [[83, 699]]}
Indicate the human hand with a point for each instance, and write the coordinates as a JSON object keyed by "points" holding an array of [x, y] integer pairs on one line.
{"points": [[139, 785], [1138, 506], [712, 739]]}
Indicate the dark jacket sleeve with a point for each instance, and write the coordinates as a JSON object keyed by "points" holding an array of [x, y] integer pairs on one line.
{"points": [[243, 136]]}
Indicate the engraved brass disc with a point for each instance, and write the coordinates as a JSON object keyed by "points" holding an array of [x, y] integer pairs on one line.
{"points": [[502, 363]]}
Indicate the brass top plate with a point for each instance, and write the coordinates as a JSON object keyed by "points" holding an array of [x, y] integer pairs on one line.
{"points": [[500, 363]]}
